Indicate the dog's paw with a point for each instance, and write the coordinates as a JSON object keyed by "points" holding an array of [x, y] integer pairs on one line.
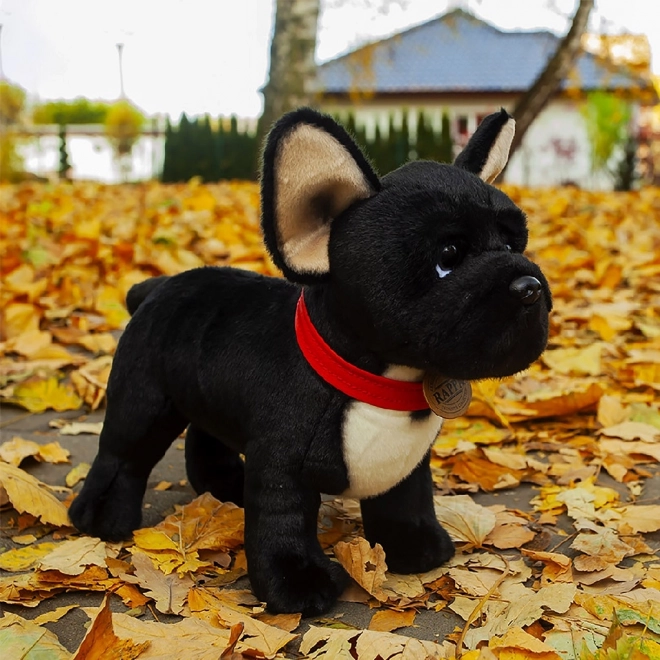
{"points": [[308, 586], [416, 548], [110, 504]]}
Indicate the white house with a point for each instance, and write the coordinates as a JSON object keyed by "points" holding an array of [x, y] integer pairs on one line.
{"points": [[459, 64]]}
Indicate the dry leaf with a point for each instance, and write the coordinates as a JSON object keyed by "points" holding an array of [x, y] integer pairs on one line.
{"points": [[204, 524], [101, 639], [557, 567], [77, 474], [72, 557], [54, 615], [53, 452], [604, 544], [465, 520], [28, 494], [523, 645], [331, 644], [366, 565], [22, 639], [20, 559], [40, 395], [169, 591], [636, 518], [76, 428], [389, 620], [15, 450], [633, 431]]}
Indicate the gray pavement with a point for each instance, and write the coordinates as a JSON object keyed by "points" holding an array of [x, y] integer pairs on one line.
{"points": [[71, 628]]}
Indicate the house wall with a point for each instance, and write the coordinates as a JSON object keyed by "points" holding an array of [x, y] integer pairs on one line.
{"points": [[555, 150]]}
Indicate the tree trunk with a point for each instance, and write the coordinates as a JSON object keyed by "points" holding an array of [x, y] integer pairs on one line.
{"points": [[533, 101], [292, 75]]}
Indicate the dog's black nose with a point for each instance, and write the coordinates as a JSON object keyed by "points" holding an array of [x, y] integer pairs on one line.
{"points": [[527, 289]]}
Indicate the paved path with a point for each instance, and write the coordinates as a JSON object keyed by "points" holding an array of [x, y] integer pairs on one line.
{"points": [[70, 629]]}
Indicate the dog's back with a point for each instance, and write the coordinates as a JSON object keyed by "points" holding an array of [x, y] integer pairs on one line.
{"points": [[138, 292]]}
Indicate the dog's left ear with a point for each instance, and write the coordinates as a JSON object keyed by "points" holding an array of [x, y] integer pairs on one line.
{"points": [[312, 171], [487, 151]]}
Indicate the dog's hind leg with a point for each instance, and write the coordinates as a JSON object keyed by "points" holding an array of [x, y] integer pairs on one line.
{"points": [[213, 467], [403, 521], [139, 427]]}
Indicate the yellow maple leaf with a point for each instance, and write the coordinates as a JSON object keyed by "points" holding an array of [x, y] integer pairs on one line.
{"points": [[38, 395], [28, 494]]}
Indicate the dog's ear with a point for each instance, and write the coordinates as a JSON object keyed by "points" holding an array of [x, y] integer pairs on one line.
{"points": [[312, 171], [487, 151]]}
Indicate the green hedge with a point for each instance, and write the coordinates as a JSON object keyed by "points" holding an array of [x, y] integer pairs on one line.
{"points": [[196, 148]]}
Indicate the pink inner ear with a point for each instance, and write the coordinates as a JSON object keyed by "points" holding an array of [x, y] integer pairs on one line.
{"points": [[311, 164]]}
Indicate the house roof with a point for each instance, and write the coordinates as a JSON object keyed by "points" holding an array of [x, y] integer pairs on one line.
{"points": [[457, 52]]}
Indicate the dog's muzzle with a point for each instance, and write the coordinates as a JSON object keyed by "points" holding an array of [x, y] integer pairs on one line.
{"points": [[527, 289]]}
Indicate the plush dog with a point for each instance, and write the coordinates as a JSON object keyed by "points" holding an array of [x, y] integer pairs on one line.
{"points": [[316, 379]]}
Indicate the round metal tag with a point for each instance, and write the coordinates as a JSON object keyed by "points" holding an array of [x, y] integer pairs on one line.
{"points": [[447, 397]]}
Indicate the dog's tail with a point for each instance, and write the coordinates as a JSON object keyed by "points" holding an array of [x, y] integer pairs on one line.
{"points": [[138, 292]]}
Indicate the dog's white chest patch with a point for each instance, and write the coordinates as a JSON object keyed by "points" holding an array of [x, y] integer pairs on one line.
{"points": [[382, 447]]}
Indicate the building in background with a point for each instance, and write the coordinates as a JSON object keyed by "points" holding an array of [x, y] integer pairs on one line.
{"points": [[459, 64]]}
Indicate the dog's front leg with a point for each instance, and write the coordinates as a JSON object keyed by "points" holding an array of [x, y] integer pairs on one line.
{"points": [[403, 521], [286, 565]]}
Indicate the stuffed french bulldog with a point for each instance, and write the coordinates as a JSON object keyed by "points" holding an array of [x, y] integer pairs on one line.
{"points": [[317, 378]]}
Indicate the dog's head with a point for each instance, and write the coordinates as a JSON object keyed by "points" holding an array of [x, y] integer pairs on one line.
{"points": [[425, 266]]}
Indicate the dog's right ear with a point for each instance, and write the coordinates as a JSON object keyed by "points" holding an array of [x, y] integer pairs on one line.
{"points": [[487, 151], [312, 171]]}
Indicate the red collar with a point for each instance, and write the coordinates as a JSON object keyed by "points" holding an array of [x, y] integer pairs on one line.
{"points": [[358, 384]]}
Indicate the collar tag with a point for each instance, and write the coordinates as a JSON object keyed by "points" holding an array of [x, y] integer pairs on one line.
{"points": [[447, 397]]}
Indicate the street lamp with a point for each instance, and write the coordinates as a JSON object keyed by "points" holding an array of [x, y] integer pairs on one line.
{"points": [[120, 49]]}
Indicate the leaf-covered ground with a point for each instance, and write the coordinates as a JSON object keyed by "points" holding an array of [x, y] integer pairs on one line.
{"points": [[572, 572]]}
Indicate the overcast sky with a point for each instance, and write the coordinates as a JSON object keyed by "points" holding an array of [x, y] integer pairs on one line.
{"points": [[211, 56]]}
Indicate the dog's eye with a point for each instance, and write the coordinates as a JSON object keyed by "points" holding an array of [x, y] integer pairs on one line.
{"points": [[508, 248], [450, 257]]}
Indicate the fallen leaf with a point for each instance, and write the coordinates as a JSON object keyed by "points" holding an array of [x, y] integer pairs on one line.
{"points": [[74, 556], [54, 615], [76, 428], [366, 565], [575, 361], [389, 620], [53, 452], [464, 520], [557, 567], [28, 494], [169, 591], [20, 559], [77, 474], [39, 395], [101, 639], [523, 646], [331, 644], [15, 450], [633, 431], [604, 544], [204, 524], [636, 518], [287, 622], [22, 639]]}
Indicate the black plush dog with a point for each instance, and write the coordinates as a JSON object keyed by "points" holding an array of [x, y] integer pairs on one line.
{"points": [[317, 380]]}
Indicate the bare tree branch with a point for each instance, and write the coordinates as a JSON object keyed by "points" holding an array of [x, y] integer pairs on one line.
{"points": [[533, 101]]}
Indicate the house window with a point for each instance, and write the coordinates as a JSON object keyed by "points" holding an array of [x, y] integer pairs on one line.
{"points": [[462, 125]]}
